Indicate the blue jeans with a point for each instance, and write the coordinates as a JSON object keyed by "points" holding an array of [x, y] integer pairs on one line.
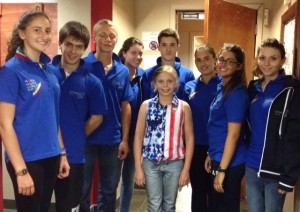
{"points": [[127, 183], [110, 172], [162, 184], [262, 194]]}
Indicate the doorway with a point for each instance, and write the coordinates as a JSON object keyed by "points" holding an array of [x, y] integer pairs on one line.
{"points": [[190, 26]]}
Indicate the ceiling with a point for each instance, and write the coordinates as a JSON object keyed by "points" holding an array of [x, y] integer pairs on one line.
{"points": [[254, 4]]}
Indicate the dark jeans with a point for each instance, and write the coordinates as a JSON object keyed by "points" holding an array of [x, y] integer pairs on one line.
{"points": [[127, 184], [230, 199], [44, 174], [68, 190], [110, 172], [200, 180]]}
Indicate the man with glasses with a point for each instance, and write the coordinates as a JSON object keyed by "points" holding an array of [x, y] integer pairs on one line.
{"points": [[109, 143], [82, 105]]}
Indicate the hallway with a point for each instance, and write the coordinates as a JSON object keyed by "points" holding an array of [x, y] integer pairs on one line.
{"points": [[183, 204]]}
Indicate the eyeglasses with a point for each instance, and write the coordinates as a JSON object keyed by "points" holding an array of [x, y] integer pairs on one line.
{"points": [[228, 62]]}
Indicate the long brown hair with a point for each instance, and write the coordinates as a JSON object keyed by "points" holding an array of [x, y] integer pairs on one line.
{"points": [[272, 43], [23, 22], [239, 75]]}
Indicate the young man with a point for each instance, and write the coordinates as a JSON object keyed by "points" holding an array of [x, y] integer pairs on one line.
{"points": [[109, 143], [168, 40], [82, 105]]}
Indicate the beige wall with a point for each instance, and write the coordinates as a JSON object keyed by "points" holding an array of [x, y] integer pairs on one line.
{"points": [[277, 8], [123, 18], [74, 10], [156, 15]]}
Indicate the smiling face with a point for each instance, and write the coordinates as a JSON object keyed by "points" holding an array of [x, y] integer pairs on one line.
{"points": [[270, 62], [205, 62], [227, 65], [72, 50], [36, 37], [133, 56], [165, 84]]}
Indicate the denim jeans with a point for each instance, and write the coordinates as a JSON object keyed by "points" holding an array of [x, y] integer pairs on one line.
{"points": [[162, 184], [262, 194], [110, 171], [127, 184]]}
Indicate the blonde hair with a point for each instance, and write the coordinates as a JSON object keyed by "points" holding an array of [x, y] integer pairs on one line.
{"points": [[165, 69], [104, 22]]}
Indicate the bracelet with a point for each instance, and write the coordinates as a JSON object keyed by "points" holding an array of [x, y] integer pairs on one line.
{"points": [[63, 152], [221, 170]]}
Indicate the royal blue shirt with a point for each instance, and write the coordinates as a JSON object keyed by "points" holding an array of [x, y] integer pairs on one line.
{"points": [[82, 95], [35, 93], [199, 96], [184, 75], [117, 89], [136, 101], [258, 115], [231, 108]]}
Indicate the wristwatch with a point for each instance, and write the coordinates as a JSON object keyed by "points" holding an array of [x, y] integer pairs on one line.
{"points": [[22, 172], [221, 170]]}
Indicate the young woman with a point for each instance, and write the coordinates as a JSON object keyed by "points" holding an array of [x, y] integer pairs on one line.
{"points": [[199, 93], [227, 149], [164, 124], [131, 54], [273, 160], [29, 96]]}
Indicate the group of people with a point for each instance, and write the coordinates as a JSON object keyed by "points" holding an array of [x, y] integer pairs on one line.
{"points": [[58, 117]]}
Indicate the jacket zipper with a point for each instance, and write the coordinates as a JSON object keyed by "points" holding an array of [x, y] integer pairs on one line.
{"points": [[280, 127]]}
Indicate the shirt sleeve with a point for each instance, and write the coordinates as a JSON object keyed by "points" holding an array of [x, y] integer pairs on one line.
{"points": [[9, 86]]}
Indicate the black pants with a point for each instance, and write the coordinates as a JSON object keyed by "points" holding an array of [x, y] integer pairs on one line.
{"points": [[230, 199], [68, 190], [44, 173], [200, 180]]}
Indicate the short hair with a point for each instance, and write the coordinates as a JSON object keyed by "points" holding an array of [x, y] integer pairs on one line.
{"points": [[76, 30], [104, 22], [168, 33]]}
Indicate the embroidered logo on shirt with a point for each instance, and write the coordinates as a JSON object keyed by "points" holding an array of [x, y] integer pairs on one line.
{"points": [[33, 86], [79, 95]]}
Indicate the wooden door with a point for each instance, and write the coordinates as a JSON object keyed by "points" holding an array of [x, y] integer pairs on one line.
{"points": [[9, 16], [231, 23]]}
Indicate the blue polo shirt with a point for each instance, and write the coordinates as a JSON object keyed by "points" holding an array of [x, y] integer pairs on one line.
{"points": [[184, 75], [82, 95], [136, 101], [199, 96], [231, 108], [35, 93], [258, 115], [117, 89]]}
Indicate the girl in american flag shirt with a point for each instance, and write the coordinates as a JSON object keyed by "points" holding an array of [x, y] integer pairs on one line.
{"points": [[164, 142]]}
